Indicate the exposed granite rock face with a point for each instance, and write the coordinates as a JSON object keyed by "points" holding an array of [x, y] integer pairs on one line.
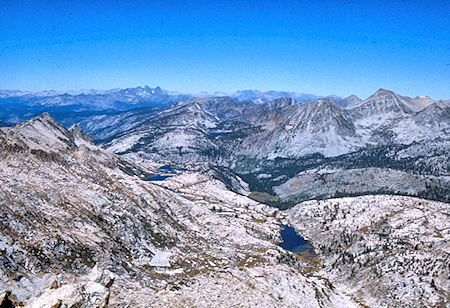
{"points": [[391, 251], [91, 290], [69, 214], [8, 300]]}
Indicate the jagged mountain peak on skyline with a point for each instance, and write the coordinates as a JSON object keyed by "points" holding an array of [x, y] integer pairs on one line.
{"points": [[44, 117], [44, 120], [43, 133], [381, 95], [352, 100], [386, 103], [353, 97]]}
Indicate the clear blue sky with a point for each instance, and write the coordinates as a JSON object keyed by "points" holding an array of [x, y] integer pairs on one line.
{"points": [[320, 47]]}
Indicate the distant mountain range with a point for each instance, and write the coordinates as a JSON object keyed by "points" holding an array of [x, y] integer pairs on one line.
{"points": [[267, 96], [286, 142], [133, 95], [274, 144], [280, 128], [18, 106]]}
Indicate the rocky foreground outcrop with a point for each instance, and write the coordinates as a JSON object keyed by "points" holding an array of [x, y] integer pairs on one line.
{"points": [[392, 251], [91, 290]]}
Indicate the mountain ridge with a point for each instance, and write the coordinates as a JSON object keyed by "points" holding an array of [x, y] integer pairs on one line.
{"points": [[349, 128], [77, 230]]}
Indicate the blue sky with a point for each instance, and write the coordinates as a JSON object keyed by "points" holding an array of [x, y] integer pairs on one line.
{"points": [[320, 47]]}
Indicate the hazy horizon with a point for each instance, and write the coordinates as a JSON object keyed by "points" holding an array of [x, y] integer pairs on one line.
{"points": [[219, 93]]}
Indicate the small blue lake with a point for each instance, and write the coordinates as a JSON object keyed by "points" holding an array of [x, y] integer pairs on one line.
{"points": [[218, 133], [165, 172], [294, 242], [158, 178]]}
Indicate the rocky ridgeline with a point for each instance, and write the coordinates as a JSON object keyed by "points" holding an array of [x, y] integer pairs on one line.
{"points": [[269, 143], [220, 128], [91, 290]]}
